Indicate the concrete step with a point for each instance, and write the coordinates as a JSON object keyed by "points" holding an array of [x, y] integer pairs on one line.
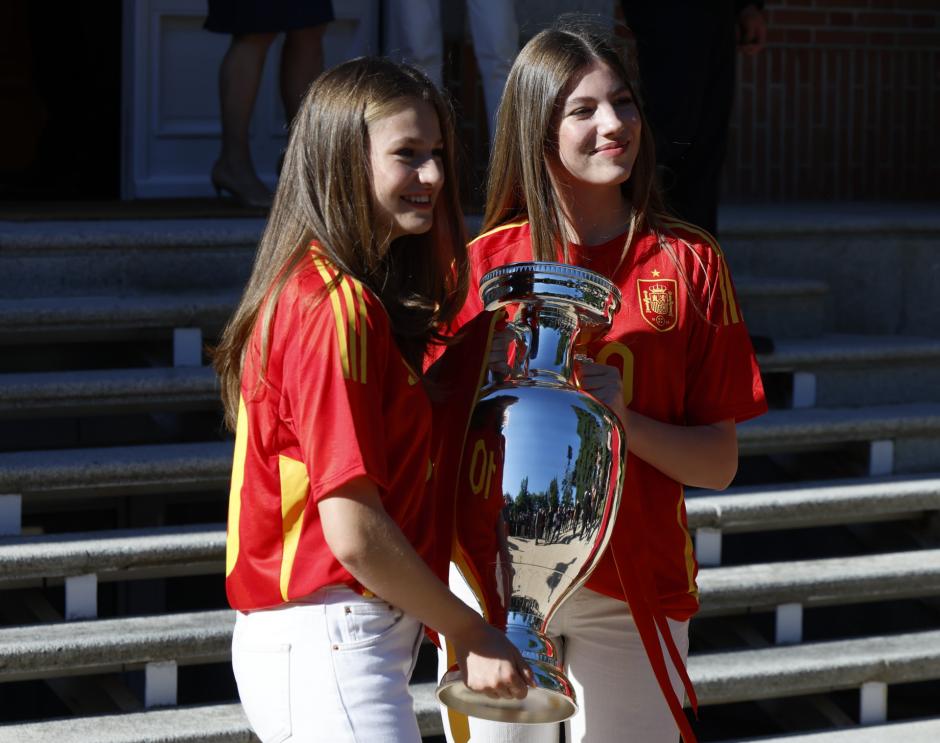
{"points": [[222, 723], [114, 645], [206, 465], [62, 259], [878, 260], [123, 554], [109, 645], [841, 580], [226, 723], [117, 470], [128, 644], [815, 668], [115, 554], [841, 370], [844, 369], [824, 503], [783, 308], [910, 432], [111, 317], [107, 391], [918, 731]]}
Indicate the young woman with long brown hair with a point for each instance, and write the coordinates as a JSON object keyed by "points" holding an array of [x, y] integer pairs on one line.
{"points": [[572, 178], [330, 527]]}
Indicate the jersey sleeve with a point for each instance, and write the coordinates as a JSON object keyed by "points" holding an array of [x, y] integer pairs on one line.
{"points": [[334, 370], [722, 376], [472, 305]]}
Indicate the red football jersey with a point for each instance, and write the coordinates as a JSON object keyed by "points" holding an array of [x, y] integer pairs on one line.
{"points": [[686, 358], [338, 401]]}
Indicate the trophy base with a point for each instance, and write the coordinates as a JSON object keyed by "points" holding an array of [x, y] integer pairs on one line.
{"points": [[550, 700]]}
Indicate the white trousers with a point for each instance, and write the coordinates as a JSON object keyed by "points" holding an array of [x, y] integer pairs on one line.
{"points": [[414, 31], [618, 696], [331, 667]]}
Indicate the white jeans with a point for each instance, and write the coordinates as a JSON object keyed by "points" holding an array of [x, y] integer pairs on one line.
{"points": [[618, 696], [331, 667]]}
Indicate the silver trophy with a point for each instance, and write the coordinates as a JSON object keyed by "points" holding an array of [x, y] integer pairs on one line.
{"points": [[540, 479]]}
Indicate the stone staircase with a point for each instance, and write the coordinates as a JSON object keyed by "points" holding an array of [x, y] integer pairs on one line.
{"points": [[820, 567]]}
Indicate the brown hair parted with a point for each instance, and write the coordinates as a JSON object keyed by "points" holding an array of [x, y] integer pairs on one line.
{"points": [[325, 194], [519, 184]]}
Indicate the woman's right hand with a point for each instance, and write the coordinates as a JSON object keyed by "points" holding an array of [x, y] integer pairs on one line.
{"points": [[605, 383], [489, 663]]}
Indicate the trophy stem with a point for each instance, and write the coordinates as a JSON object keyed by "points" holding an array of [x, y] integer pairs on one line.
{"points": [[552, 336]]}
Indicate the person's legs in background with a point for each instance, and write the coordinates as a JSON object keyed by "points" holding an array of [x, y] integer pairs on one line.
{"points": [[415, 36], [239, 79], [301, 63], [495, 44]]}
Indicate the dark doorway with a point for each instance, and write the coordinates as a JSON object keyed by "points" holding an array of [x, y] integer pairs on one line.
{"points": [[60, 93]]}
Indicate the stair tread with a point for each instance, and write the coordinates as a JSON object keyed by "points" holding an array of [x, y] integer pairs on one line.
{"points": [[915, 731], [833, 349], [203, 463], [872, 577], [811, 582], [821, 502]]}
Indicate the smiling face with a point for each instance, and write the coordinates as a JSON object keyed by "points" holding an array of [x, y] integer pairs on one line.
{"points": [[405, 153], [598, 132]]}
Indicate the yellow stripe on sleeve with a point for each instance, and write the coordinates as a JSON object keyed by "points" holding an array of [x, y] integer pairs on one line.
{"points": [[724, 277], [235, 490], [351, 323], [295, 488], [337, 315], [363, 328], [722, 289]]}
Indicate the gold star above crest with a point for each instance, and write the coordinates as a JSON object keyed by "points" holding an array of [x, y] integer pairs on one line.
{"points": [[655, 273]]}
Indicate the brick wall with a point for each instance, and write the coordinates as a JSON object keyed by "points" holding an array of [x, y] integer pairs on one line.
{"points": [[842, 104]]}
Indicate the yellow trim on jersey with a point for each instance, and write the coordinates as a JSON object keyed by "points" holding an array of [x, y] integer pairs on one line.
{"points": [[363, 327], [337, 313], [235, 490], [295, 489], [689, 545], [735, 313], [352, 356], [502, 227], [351, 325], [731, 314]]}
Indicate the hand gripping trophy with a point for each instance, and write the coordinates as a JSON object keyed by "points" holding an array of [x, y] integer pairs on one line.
{"points": [[540, 479]]}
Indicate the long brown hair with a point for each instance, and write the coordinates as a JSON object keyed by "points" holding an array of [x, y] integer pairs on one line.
{"points": [[325, 194], [519, 184]]}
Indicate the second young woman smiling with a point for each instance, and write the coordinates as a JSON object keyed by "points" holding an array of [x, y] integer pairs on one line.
{"points": [[572, 178]]}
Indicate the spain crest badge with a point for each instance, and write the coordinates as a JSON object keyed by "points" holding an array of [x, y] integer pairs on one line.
{"points": [[658, 302]]}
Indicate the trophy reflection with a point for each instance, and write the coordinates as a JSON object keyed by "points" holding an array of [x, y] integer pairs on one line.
{"points": [[540, 479]]}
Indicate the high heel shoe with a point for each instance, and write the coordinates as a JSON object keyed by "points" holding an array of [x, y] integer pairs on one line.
{"points": [[250, 192]]}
